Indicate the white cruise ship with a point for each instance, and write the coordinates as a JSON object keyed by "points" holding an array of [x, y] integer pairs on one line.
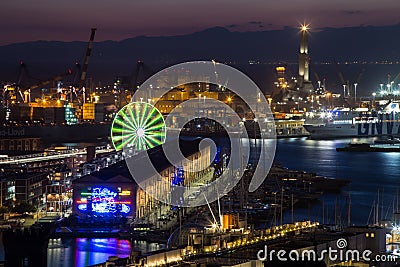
{"points": [[359, 122]]}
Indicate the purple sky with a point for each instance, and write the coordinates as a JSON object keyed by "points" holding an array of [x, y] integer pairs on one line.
{"points": [[68, 20]]}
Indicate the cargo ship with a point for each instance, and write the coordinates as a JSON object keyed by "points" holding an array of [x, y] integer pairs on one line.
{"points": [[358, 122], [57, 133]]}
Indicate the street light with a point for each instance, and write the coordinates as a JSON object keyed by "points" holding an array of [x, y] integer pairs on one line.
{"points": [[328, 95], [355, 92], [344, 91], [373, 101]]}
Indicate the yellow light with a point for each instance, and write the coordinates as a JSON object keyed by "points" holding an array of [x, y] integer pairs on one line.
{"points": [[125, 193], [229, 99], [305, 27]]}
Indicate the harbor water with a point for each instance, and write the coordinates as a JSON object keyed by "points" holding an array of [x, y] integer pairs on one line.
{"points": [[90, 251], [367, 171]]}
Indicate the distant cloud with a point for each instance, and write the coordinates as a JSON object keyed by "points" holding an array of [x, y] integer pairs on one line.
{"points": [[255, 22], [352, 12], [232, 26]]}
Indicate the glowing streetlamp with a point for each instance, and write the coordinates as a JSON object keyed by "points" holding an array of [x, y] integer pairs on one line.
{"points": [[355, 92], [328, 95], [373, 99]]}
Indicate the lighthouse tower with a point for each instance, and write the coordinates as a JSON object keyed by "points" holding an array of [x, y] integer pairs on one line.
{"points": [[304, 58], [303, 80]]}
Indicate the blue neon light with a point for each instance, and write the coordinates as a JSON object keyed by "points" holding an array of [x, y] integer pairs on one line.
{"points": [[125, 208], [105, 201], [82, 207], [217, 158], [179, 177]]}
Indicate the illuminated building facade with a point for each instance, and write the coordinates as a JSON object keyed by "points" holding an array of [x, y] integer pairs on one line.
{"points": [[23, 187], [112, 191], [108, 192], [182, 174]]}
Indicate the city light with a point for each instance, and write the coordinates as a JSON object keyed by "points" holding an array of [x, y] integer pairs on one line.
{"points": [[139, 125], [104, 201], [305, 27]]}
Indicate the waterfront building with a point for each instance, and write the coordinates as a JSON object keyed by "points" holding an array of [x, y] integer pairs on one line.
{"points": [[112, 190], [290, 127], [23, 187], [20, 145], [108, 191]]}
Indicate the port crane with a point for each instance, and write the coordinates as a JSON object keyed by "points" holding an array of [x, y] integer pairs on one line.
{"points": [[146, 72], [22, 72], [346, 83], [86, 64], [27, 91], [24, 92], [82, 71]]}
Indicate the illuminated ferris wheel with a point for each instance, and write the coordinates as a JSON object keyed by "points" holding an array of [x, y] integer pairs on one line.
{"points": [[138, 125]]}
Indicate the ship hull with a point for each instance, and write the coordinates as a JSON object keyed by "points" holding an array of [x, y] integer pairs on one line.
{"points": [[329, 131], [85, 132], [369, 148]]}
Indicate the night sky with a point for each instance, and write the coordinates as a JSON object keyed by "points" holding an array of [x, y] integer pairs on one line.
{"points": [[68, 20]]}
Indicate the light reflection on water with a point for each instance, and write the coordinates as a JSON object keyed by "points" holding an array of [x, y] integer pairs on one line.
{"points": [[368, 172], [90, 251]]}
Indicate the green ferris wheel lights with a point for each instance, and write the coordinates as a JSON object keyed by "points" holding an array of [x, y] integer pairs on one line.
{"points": [[138, 125]]}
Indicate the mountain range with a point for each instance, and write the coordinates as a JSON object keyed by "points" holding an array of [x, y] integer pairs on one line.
{"points": [[112, 58]]}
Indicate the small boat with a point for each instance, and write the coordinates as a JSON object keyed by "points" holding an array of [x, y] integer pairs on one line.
{"points": [[365, 147], [388, 141]]}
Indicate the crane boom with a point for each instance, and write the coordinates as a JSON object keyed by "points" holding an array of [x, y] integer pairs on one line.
{"points": [[56, 78], [340, 74], [86, 63]]}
